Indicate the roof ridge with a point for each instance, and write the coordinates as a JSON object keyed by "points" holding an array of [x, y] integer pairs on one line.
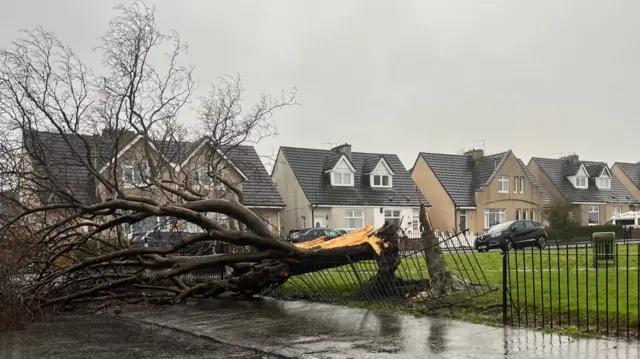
{"points": [[352, 152]]}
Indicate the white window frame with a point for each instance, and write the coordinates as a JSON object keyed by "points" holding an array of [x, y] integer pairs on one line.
{"points": [[381, 185], [616, 210], [503, 184], [596, 210], [532, 214], [392, 214], [516, 183], [582, 179], [138, 173], [521, 189], [128, 167], [525, 214], [500, 212], [415, 223], [603, 182], [352, 214], [341, 176]]}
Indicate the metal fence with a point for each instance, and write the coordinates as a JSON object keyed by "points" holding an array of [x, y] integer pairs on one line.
{"points": [[580, 286], [364, 282]]}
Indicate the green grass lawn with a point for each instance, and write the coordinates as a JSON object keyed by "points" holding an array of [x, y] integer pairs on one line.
{"points": [[549, 288]]}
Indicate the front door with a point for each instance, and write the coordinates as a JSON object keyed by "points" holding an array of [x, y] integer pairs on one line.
{"points": [[319, 222], [463, 220]]}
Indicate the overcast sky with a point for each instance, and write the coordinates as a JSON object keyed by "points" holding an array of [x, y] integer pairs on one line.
{"points": [[542, 78]]}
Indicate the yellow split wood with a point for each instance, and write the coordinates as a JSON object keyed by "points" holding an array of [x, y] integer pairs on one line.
{"points": [[354, 238]]}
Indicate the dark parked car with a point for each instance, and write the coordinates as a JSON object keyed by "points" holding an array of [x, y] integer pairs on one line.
{"points": [[513, 234], [309, 234]]}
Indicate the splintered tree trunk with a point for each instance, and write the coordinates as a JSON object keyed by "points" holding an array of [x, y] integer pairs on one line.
{"points": [[443, 280]]}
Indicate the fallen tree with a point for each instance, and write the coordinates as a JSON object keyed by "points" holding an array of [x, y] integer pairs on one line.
{"points": [[89, 156]]}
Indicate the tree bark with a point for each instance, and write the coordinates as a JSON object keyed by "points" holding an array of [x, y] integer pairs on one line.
{"points": [[443, 280]]}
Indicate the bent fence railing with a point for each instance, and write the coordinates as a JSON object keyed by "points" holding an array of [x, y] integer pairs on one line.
{"points": [[410, 289]]}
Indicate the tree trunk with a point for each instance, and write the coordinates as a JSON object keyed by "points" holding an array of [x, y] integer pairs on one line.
{"points": [[443, 280]]}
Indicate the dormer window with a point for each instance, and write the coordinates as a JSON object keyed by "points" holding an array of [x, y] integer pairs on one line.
{"points": [[379, 171], [604, 180], [342, 173], [342, 179], [381, 181], [581, 182]]}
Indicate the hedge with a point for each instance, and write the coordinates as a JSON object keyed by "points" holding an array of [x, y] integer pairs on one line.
{"points": [[583, 233]]}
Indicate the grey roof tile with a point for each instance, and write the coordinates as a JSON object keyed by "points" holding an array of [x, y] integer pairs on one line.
{"points": [[370, 164], [460, 177], [555, 169], [50, 150], [308, 166], [259, 189], [632, 170], [546, 197], [485, 169], [455, 173]]}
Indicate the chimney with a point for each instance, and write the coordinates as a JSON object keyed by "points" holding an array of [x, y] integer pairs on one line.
{"points": [[345, 148], [474, 154], [573, 159]]}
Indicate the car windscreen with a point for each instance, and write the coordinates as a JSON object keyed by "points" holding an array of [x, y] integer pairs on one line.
{"points": [[500, 227]]}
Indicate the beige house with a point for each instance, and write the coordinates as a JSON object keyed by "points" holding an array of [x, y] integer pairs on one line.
{"points": [[595, 191], [120, 157], [339, 188], [629, 175], [473, 191]]}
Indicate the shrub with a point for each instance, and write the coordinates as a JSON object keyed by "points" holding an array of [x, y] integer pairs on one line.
{"points": [[582, 233]]}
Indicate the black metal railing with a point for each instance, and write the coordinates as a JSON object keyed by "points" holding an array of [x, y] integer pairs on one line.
{"points": [[355, 281], [591, 288]]}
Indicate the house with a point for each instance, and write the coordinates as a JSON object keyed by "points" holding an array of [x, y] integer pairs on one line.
{"points": [[339, 188], [473, 191], [119, 156], [595, 192], [629, 175]]}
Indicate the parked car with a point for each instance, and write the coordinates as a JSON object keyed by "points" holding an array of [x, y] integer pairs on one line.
{"points": [[294, 234], [309, 234], [512, 234]]}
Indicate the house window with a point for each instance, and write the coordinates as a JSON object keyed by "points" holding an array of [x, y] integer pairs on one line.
{"points": [[354, 219], [604, 182], [415, 223], [594, 215], [342, 179], [521, 189], [516, 183], [581, 182], [532, 214], [524, 214], [201, 176], [381, 181], [134, 173], [617, 210], [503, 184], [518, 214], [392, 215], [493, 216]]}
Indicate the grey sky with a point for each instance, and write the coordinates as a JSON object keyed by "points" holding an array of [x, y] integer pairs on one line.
{"points": [[540, 77]]}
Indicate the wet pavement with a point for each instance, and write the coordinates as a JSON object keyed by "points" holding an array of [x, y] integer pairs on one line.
{"points": [[276, 329], [100, 337], [310, 330]]}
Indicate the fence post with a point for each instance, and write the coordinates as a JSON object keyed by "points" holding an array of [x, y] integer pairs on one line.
{"points": [[505, 285]]}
